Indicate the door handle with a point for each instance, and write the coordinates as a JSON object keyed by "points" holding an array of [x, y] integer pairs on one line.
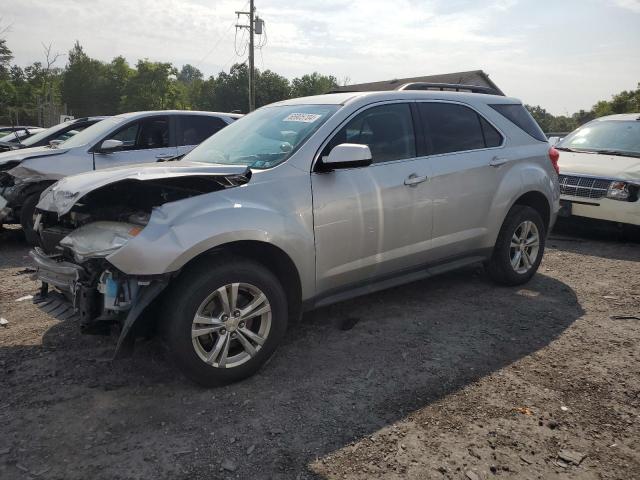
{"points": [[165, 155], [414, 179], [497, 161]]}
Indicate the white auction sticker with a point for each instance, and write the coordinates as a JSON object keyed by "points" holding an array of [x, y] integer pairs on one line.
{"points": [[302, 117]]}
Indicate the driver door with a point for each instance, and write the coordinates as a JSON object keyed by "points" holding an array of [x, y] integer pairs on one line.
{"points": [[373, 221], [144, 140]]}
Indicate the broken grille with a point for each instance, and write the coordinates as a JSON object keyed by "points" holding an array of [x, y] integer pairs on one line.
{"points": [[587, 187]]}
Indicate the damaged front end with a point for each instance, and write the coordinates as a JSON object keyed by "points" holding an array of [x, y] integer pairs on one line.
{"points": [[82, 223], [7, 188]]}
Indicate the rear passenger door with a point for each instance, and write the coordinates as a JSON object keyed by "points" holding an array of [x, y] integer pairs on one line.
{"points": [[462, 147], [144, 140], [192, 130]]}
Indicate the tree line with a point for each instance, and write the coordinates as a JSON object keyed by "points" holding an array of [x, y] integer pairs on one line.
{"points": [[88, 86], [627, 101]]}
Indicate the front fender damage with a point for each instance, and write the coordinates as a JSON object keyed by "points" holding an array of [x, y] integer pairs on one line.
{"points": [[70, 224]]}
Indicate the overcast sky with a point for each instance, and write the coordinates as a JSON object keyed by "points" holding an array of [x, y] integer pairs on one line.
{"points": [[563, 55]]}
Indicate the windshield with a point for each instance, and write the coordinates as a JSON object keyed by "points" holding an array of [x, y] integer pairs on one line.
{"points": [[264, 138], [605, 136], [11, 138], [33, 139], [93, 133]]}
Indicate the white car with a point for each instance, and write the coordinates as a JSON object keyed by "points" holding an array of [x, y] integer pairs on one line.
{"points": [[137, 137], [600, 170]]}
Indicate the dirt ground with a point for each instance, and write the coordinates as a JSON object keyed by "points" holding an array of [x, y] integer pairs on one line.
{"points": [[448, 378]]}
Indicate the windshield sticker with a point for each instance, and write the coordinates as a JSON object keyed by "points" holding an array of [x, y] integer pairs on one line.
{"points": [[302, 117]]}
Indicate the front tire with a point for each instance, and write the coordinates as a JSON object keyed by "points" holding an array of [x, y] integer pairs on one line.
{"points": [[519, 248], [223, 320]]}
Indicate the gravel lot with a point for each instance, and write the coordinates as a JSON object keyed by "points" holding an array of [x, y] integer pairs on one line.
{"points": [[450, 377]]}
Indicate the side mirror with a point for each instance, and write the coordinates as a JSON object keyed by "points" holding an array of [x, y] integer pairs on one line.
{"points": [[55, 143], [348, 155], [553, 141], [109, 146]]}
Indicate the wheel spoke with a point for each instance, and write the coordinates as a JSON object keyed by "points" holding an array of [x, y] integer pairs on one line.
{"points": [[202, 320], [198, 332], [515, 260], [246, 344], [224, 299], [254, 337], [225, 352], [526, 259], [220, 344], [532, 241], [524, 232], [258, 306], [233, 297], [515, 239]]}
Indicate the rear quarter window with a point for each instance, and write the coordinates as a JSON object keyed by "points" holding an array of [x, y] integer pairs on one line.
{"points": [[517, 114]]}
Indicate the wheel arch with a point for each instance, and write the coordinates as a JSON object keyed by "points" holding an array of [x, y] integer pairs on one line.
{"points": [[273, 258], [539, 202]]}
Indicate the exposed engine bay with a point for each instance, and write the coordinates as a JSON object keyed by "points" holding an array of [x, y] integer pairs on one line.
{"points": [[72, 258]]}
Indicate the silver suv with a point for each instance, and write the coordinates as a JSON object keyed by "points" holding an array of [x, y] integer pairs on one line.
{"points": [[300, 204]]}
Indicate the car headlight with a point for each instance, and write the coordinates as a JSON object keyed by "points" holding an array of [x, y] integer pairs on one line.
{"points": [[99, 239], [619, 191]]}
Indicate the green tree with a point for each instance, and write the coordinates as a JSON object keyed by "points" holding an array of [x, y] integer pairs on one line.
{"points": [[271, 87], [313, 84], [151, 87], [83, 84], [113, 85], [5, 58]]}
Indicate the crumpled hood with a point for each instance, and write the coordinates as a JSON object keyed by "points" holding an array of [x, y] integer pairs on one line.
{"points": [[600, 165], [24, 153], [64, 194]]}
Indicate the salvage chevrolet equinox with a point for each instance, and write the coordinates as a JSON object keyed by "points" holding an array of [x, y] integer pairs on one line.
{"points": [[300, 204]]}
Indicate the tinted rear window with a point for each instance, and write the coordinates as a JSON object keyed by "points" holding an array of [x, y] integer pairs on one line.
{"points": [[194, 129], [517, 114], [451, 127]]}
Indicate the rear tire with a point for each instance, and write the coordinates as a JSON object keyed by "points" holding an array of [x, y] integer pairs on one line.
{"points": [[27, 213], [519, 248], [213, 344]]}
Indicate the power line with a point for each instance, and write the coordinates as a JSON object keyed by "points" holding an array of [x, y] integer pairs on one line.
{"points": [[220, 38]]}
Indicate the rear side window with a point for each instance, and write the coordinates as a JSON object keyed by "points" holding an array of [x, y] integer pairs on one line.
{"points": [[194, 129], [386, 129], [492, 137], [455, 128], [517, 114]]}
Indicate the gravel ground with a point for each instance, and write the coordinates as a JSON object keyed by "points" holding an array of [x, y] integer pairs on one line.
{"points": [[451, 377]]}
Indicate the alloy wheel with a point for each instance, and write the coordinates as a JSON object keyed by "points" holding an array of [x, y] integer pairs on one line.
{"points": [[231, 325], [525, 246]]}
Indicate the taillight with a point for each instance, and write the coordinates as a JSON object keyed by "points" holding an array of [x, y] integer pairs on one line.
{"points": [[554, 156]]}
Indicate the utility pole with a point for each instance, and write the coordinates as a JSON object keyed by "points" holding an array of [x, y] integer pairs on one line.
{"points": [[252, 31]]}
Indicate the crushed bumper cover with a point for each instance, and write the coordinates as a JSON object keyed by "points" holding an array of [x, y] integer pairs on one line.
{"points": [[62, 275], [78, 302]]}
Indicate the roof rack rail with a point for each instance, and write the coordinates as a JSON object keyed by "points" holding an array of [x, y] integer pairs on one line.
{"points": [[456, 87]]}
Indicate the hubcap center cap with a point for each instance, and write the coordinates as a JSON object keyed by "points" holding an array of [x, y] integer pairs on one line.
{"points": [[232, 324]]}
